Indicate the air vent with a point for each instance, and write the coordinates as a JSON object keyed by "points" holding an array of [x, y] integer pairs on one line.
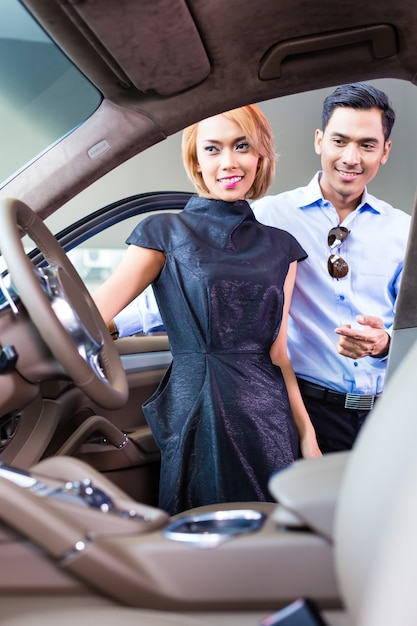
{"points": [[8, 428]]}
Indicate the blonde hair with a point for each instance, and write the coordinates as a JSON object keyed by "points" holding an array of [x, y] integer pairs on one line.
{"points": [[259, 134]]}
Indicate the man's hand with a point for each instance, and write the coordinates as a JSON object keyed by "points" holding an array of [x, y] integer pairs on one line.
{"points": [[371, 340]]}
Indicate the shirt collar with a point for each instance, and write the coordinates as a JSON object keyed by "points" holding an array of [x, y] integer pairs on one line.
{"points": [[312, 195]]}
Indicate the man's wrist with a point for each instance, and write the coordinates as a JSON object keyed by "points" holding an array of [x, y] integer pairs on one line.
{"points": [[385, 351]]}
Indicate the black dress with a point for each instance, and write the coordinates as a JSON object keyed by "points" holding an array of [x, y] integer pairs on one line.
{"points": [[221, 415]]}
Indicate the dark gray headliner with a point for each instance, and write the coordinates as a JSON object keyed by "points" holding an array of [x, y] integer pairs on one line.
{"points": [[177, 61], [164, 64]]}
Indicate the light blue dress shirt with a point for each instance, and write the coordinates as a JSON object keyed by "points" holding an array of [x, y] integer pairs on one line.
{"points": [[374, 252], [141, 315]]}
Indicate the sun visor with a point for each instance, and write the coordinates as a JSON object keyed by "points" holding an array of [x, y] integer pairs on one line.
{"points": [[158, 49]]}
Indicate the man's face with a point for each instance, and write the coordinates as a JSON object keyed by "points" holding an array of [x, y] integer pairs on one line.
{"points": [[352, 147]]}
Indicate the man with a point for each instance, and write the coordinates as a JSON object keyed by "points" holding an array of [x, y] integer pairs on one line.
{"points": [[343, 304], [140, 316]]}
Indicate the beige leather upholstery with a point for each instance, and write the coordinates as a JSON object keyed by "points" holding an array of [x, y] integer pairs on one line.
{"points": [[102, 616], [371, 495], [376, 520], [307, 494]]}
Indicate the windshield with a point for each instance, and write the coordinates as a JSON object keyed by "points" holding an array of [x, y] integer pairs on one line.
{"points": [[42, 95]]}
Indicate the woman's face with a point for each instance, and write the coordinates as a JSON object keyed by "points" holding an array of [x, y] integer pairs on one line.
{"points": [[226, 160]]}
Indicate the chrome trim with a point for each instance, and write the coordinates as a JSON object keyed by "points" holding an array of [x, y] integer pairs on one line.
{"points": [[17, 476], [9, 293], [88, 347], [78, 547], [85, 493], [146, 361], [209, 530]]}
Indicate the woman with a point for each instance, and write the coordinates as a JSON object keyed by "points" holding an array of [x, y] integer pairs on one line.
{"points": [[226, 414]]}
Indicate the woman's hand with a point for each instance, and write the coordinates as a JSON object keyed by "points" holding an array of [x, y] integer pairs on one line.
{"points": [[309, 445]]}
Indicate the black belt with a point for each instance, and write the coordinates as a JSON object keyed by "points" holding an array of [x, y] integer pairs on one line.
{"points": [[357, 401]]}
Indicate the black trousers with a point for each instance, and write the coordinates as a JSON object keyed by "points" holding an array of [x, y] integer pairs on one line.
{"points": [[336, 427]]}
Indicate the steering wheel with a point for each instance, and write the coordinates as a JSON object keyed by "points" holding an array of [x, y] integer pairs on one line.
{"points": [[61, 307]]}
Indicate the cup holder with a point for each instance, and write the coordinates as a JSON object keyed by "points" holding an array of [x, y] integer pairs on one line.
{"points": [[209, 530]]}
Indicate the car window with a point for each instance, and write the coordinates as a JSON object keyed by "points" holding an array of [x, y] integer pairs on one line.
{"points": [[95, 264], [94, 260], [96, 246], [42, 94]]}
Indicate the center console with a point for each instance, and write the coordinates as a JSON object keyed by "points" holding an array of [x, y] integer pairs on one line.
{"points": [[77, 530]]}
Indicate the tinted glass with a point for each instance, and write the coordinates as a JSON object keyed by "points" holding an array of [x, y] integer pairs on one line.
{"points": [[42, 96]]}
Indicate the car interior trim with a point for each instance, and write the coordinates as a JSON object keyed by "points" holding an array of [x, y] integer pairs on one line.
{"points": [[381, 36], [145, 362]]}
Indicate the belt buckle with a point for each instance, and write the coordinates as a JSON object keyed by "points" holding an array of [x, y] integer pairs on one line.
{"points": [[359, 401]]}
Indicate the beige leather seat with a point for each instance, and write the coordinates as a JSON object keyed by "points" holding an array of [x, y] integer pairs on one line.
{"points": [[103, 616], [376, 517], [366, 501]]}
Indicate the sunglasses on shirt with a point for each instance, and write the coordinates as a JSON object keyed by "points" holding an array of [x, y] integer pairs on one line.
{"points": [[338, 268]]}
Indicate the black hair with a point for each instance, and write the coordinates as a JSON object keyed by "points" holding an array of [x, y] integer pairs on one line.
{"points": [[359, 96]]}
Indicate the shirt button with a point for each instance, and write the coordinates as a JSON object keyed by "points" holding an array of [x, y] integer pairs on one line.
{"points": [[355, 363]]}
